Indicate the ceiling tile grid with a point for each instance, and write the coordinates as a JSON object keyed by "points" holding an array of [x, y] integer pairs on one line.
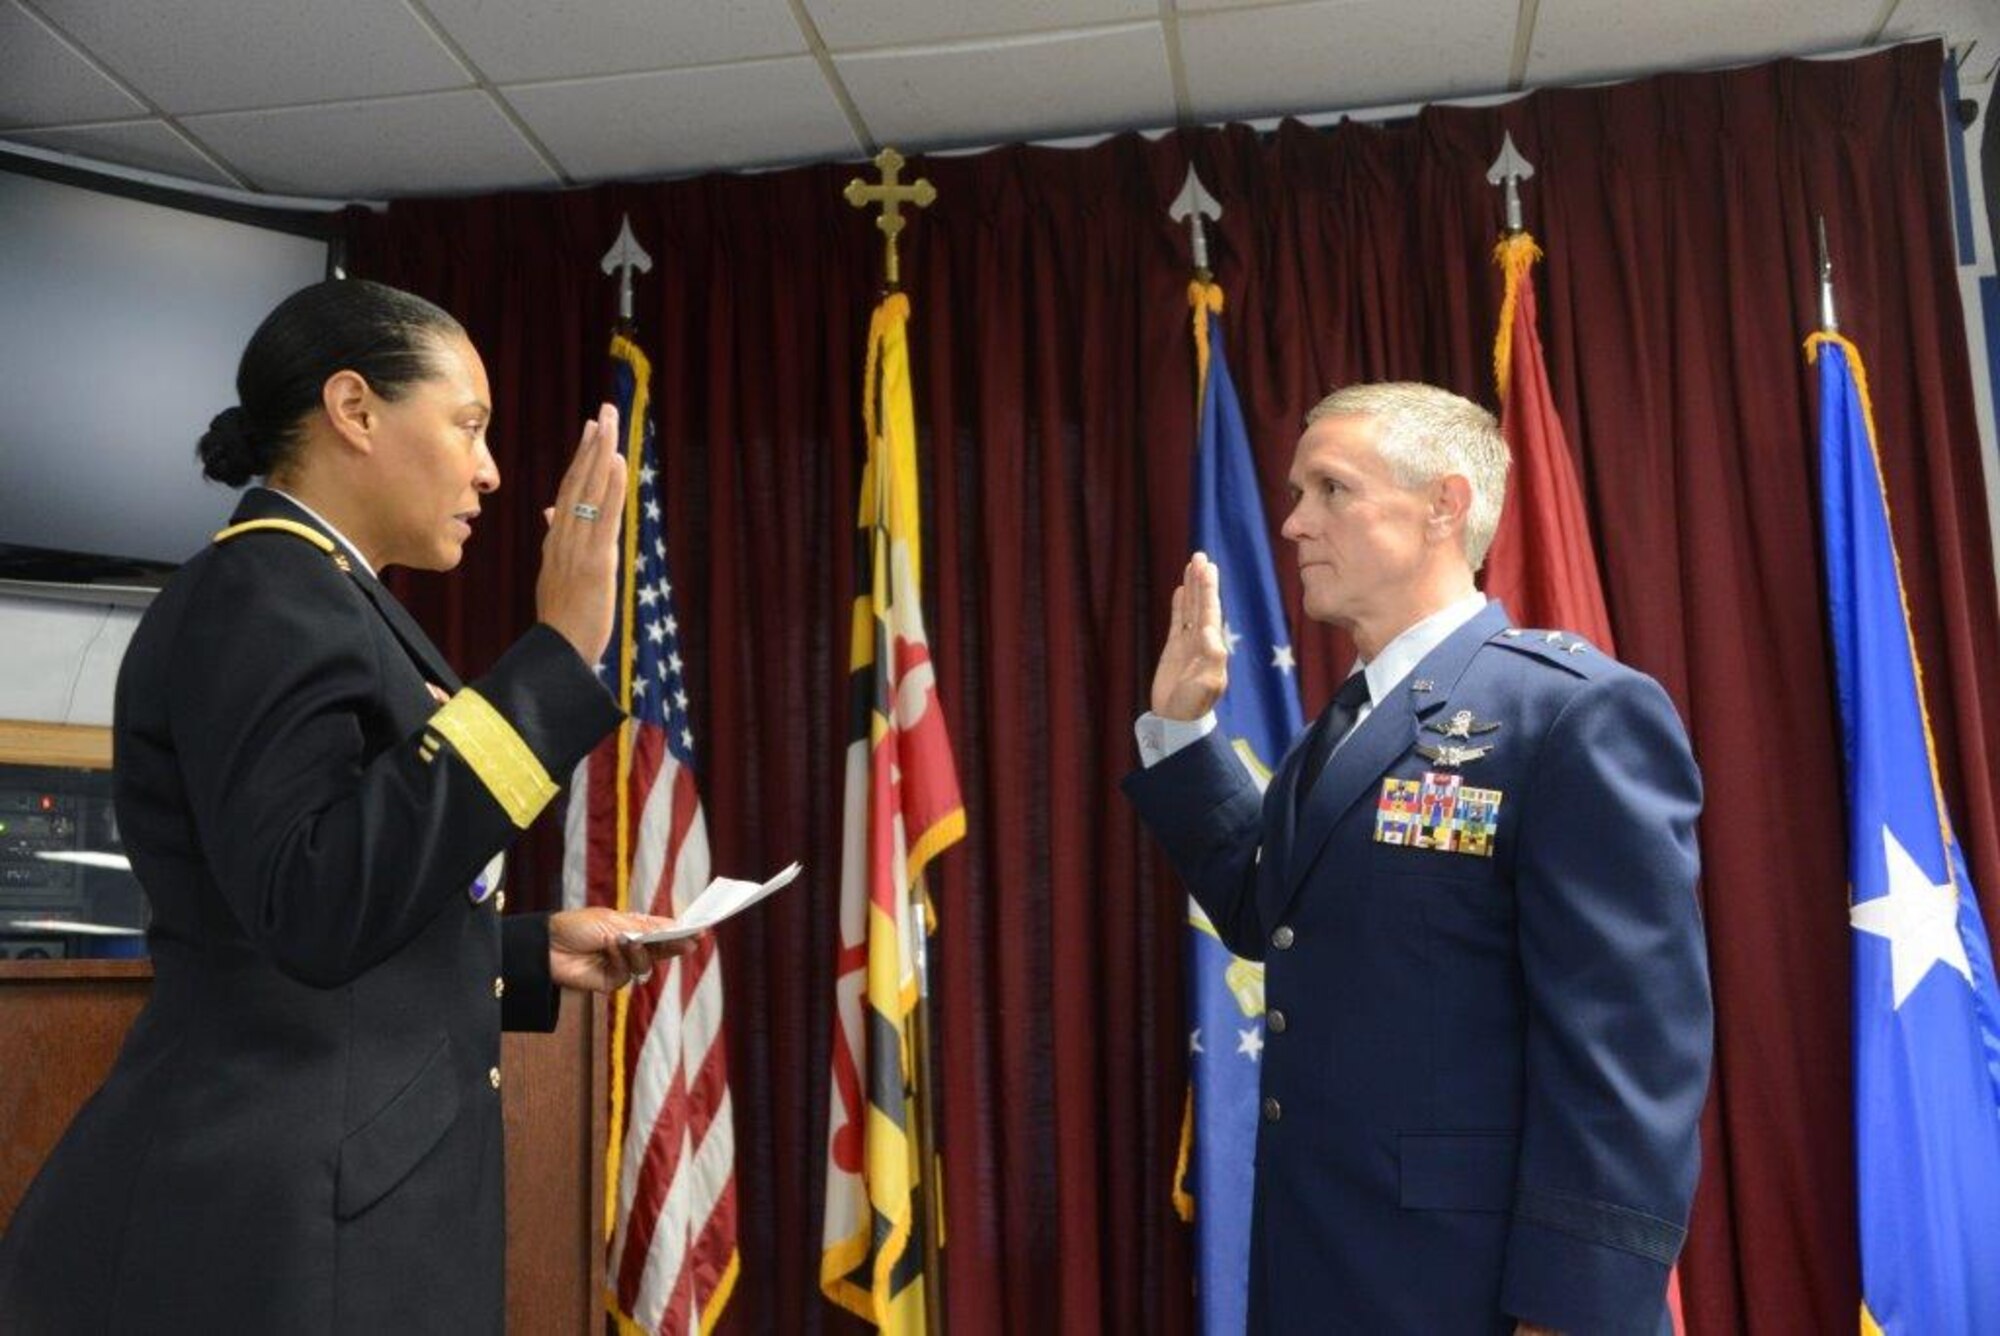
{"points": [[199, 55], [566, 39], [427, 144], [860, 25], [680, 121], [151, 146], [1344, 53], [1583, 41], [44, 81], [1011, 88], [379, 98]]}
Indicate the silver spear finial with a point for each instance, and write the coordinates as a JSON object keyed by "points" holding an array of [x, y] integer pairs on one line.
{"points": [[1829, 320], [1195, 204], [624, 256], [1509, 170]]}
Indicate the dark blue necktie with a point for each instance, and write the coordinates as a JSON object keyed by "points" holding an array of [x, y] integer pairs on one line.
{"points": [[1333, 725]]}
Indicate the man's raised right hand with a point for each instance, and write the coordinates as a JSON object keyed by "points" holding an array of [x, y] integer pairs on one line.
{"points": [[1194, 666]]}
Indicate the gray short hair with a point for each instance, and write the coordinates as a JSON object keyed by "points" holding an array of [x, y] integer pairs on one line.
{"points": [[1424, 433]]}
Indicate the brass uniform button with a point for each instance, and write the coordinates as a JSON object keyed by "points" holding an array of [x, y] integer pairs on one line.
{"points": [[499, 988], [499, 902], [493, 1077], [1283, 937], [1272, 1109], [1275, 1022]]}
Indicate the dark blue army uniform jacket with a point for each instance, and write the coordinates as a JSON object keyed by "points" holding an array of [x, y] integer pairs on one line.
{"points": [[302, 1132], [1487, 1008]]}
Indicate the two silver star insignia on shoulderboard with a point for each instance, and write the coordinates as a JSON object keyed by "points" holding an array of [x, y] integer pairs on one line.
{"points": [[1461, 727]]}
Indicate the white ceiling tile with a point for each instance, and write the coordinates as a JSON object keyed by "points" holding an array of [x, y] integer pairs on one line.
{"points": [[850, 24], [1013, 88], [44, 82], [1579, 41], [199, 55], [677, 122], [1344, 53], [149, 145], [1960, 23], [431, 144], [558, 39]]}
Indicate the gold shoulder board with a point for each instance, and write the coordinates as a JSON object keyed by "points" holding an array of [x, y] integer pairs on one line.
{"points": [[292, 527]]}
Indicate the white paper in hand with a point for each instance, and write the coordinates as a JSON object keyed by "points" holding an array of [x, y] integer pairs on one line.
{"points": [[723, 898]]}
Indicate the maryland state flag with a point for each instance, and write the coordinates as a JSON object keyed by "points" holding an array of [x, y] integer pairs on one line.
{"points": [[902, 809]]}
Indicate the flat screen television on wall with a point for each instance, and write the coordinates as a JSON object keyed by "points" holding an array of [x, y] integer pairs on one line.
{"points": [[122, 314]]}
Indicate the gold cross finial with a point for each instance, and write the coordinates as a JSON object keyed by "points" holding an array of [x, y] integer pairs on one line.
{"points": [[892, 195]]}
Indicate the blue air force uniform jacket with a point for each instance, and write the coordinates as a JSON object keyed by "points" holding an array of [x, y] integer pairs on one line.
{"points": [[302, 1132], [1487, 1009]]}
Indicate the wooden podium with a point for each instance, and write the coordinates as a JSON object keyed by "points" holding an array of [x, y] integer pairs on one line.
{"points": [[61, 1022]]}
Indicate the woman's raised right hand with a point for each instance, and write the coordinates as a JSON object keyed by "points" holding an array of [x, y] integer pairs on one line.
{"points": [[577, 590]]}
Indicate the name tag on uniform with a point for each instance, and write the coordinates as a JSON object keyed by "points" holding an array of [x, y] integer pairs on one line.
{"points": [[1440, 812]]}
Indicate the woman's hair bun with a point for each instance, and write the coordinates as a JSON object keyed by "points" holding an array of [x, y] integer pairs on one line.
{"points": [[227, 453]]}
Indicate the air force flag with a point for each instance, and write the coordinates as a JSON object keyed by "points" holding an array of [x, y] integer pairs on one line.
{"points": [[1926, 1011], [1260, 716]]}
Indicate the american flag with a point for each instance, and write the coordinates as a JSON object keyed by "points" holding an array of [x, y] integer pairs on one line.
{"points": [[634, 809]]}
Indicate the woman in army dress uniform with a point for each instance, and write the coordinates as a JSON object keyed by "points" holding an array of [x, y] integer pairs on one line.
{"points": [[302, 1132]]}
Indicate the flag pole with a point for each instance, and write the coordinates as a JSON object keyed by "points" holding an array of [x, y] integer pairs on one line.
{"points": [[625, 256], [930, 1180], [1197, 208], [890, 194]]}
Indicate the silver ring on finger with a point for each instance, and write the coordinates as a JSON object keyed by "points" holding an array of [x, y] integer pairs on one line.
{"points": [[583, 510]]}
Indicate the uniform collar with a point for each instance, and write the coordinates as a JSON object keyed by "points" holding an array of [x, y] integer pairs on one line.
{"points": [[1381, 740], [1401, 656], [264, 502], [320, 522]]}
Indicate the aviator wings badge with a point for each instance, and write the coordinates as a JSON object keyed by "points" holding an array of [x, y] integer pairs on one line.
{"points": [[1464, 726], [1456, 747], [1449, 756]]}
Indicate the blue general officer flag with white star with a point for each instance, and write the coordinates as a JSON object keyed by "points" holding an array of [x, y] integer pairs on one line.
{"points": [[1926, 1011], [1260, 715]]}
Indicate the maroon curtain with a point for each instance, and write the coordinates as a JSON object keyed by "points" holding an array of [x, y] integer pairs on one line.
{"points": [[1054, 384]]}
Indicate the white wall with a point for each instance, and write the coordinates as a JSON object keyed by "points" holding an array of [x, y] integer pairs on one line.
{"points": [[61, 658]]}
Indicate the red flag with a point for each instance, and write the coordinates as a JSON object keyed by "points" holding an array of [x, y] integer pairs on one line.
{"points": [[1541, 564]]}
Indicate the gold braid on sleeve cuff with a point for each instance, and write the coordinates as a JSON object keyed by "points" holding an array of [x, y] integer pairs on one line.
{"points": [[503, 763]]}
